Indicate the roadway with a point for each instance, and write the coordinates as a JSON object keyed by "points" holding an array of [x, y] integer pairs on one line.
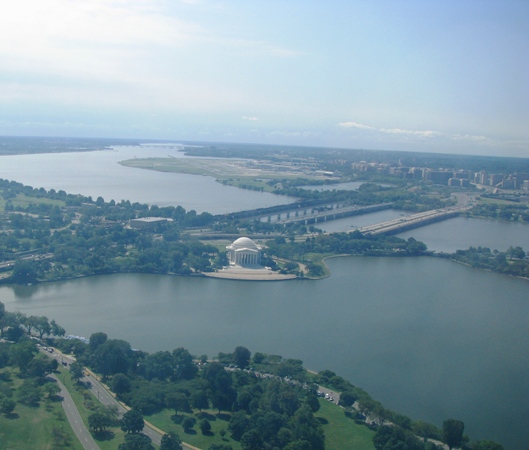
{"points": [[103, 395], [415, 220], [74, 418]]}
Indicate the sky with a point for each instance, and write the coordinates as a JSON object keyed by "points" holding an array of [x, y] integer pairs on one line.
{"points": [[448, 76]]}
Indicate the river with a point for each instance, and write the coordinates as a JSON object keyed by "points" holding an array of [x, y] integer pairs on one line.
{"points": [[99, 174], [427, 337]]}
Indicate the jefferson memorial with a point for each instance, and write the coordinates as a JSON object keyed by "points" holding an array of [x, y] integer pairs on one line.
{"points": [[244, 252]]}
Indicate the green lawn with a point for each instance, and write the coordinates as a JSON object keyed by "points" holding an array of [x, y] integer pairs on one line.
{"points": [[40, 428], [341, 432], [164, 421], [86, 408]]}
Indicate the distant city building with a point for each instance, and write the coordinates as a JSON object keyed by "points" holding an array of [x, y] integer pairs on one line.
{"points": [[438, 176], [458, 182], [243, 252], [495, 179], [483, 178]]}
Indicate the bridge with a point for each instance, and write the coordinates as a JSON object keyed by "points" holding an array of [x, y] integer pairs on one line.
{"points": [[414, 221], [322, 213]]}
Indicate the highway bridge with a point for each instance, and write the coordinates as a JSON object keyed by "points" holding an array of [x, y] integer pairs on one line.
{"points": [[322, 213], [414, 221]]}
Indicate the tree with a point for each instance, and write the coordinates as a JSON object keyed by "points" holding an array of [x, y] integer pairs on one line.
{"points": [[205, 426], [453, 432], [25, 272], [22, 354], [43, 326], [7, 406], [298, 445], [76, 371], [56, 329], [30, 323], [199, 400], [120, 384], [241, 357], [347, 398], [184, 366], [177, 401], [113, 356], [52, 389], [313, 402], [251, 440], [97, 339], [239, 424], [98, 422], [132, 422], [188, 423], [41, 365], [171, 441], [136, 442]]}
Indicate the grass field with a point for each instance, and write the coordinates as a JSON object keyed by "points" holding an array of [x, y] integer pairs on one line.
{"points": [[23, 200], [85, 410], [38, 428], [341, 432], [165, 421]]}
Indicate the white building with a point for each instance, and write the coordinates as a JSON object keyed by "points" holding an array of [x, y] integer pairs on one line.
{"points": [[244, 252]]}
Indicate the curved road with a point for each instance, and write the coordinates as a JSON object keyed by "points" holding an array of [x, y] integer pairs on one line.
{"points": [[104, 397], [74, 418]]}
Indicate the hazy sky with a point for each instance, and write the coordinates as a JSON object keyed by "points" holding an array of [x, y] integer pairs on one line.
{"points": [[437, 75]]}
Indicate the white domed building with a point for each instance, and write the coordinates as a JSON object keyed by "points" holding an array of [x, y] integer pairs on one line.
{"points": [[244, 252]]}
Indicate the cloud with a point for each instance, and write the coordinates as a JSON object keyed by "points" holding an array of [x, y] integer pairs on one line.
{"points": [[404, 135], [419, 133], [355, 125], [427, 133], [251, 118]]}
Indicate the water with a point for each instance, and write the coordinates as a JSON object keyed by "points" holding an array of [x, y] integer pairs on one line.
{"points": [[464, 232], [428, 337], [99, 174], [458, 233]]}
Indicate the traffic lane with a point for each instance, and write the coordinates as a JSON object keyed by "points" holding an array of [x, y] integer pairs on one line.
{"points": [[74, 418]]}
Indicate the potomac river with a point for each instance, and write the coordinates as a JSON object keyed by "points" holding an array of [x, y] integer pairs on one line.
{"points": [[427, 337]]}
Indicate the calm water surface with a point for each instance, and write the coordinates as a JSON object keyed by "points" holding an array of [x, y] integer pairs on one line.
{"points": [[99, 174], [449, 235], [427, 337]]}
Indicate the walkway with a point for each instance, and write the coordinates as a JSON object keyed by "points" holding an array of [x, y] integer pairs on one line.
{"points": [[255, 273]]}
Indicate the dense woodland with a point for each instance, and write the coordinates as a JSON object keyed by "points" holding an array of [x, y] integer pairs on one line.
{"points": [[511, 262]]}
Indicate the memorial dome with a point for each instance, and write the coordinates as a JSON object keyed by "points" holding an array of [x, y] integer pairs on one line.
{"points": [[244, 242]]}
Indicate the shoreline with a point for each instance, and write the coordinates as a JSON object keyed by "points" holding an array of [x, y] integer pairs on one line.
{"points": [[249, 274]]}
